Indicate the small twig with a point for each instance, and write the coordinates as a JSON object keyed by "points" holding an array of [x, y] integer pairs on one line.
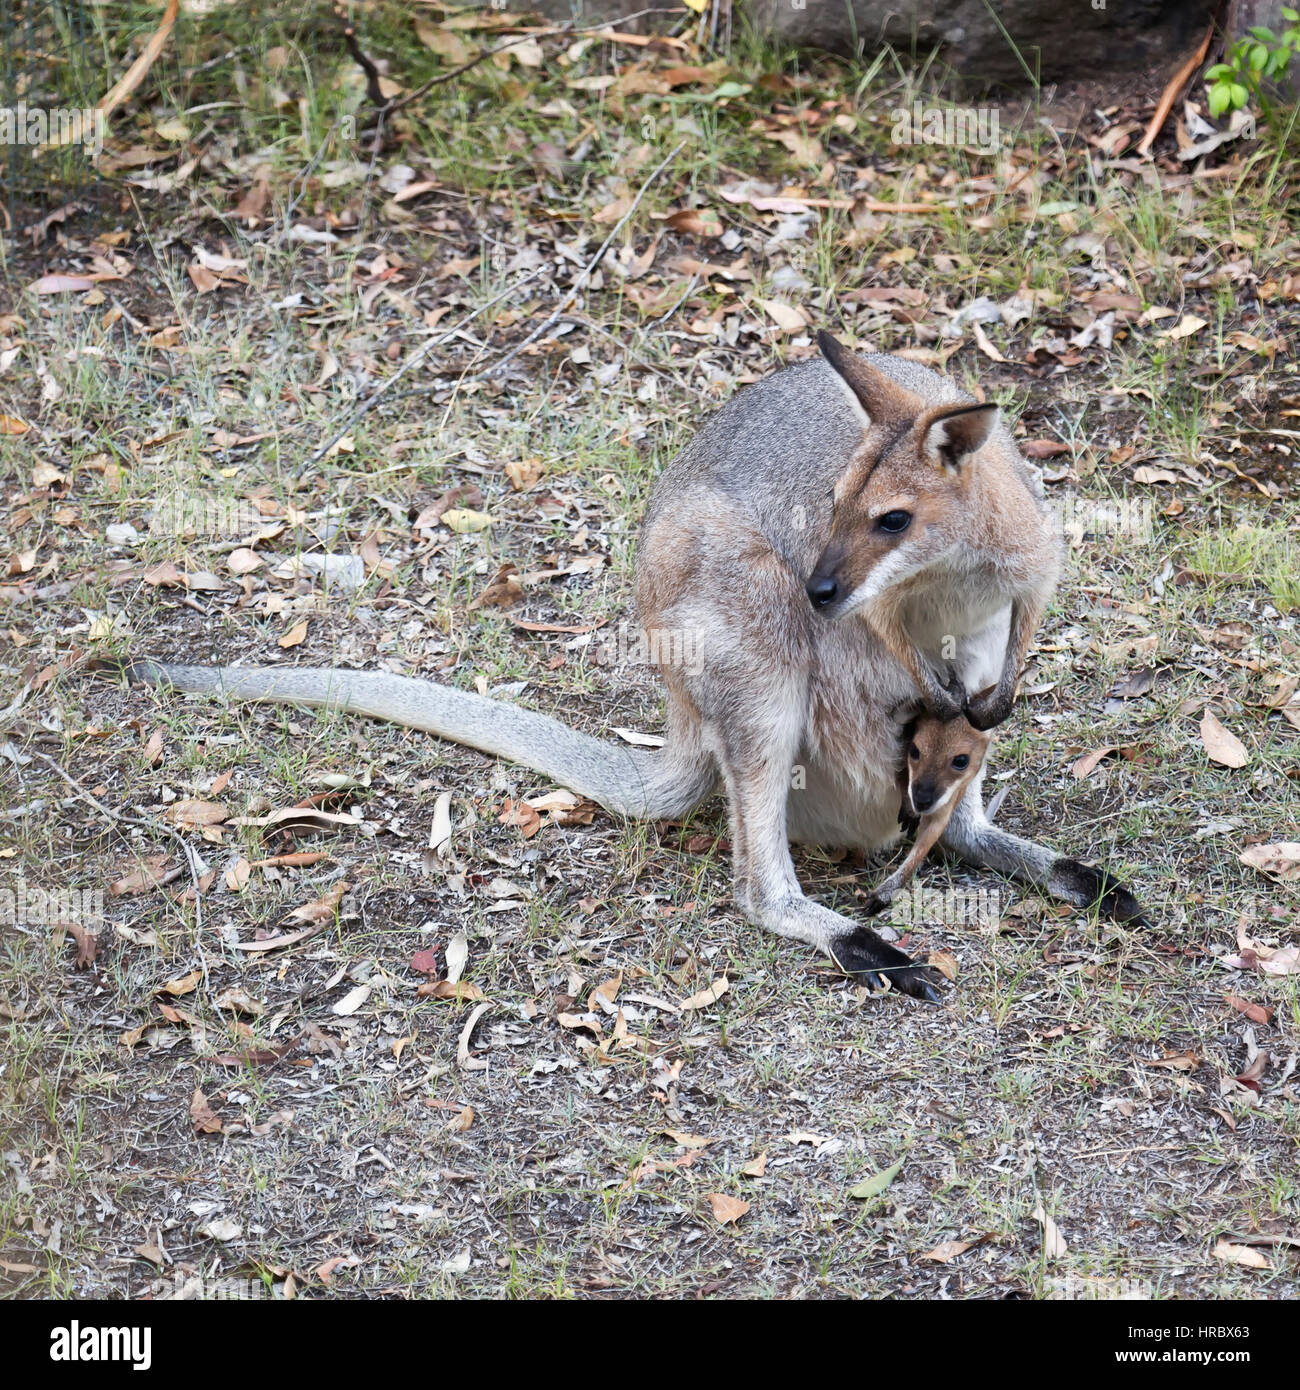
{"points": [[191, 856], [367, 65], [435, 341], [135, 74], [1170, 93], [565, 30], [583, 276]]}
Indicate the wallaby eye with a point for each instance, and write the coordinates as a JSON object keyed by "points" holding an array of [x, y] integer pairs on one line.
{"points": [[913, 752], [894, 522], [961, 761]]}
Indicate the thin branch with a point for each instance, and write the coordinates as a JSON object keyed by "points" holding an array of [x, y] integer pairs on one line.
{"points": [[191, 856], [582, 279], [435, 341], [135, 74], [363, 60], [397, 103], [1170, 93]]}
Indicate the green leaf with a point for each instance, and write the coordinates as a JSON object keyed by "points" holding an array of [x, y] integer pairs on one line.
{"points": [[1220, 98], [1240, 96], [876, 1183], [1258, 57], [1218, 72]]}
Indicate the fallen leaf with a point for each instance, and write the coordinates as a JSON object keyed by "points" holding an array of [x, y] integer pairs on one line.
{"points": [[1257, 1013], [786, 317], [1054, 1246], [186, 984], [726, 1209], [295, 635], [1240, 1255], [202, 1115], [61, 284], [463, 1059], [425, 962], [463, 520], [1280, 861], [457, 956], [947, 1250], [1088, 763], [461, 991], [351, 1001], [1223, 747], [876, 1183], [1185, 327], [705, 997]]}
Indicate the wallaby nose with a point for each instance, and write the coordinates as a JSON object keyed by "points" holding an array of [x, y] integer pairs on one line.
{"points": [[822, 590], [923, 797]]}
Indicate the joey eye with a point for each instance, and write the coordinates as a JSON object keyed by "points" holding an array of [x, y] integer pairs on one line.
{"points": [[894, 522], [961, 761], [913, 752]]}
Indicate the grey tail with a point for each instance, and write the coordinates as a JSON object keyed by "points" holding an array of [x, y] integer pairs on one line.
{"points": [[637, 782]]}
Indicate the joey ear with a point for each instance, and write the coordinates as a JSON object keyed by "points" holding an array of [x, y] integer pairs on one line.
{"points": [[956, 431], [879, 395]]}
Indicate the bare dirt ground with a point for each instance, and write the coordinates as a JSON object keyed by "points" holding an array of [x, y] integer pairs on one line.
{"points": [[245, 1061]]}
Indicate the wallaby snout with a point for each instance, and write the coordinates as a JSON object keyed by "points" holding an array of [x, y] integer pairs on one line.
{"points": [[823, 587]]}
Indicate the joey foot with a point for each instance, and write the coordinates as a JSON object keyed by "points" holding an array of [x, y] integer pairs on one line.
{"points": [[862, 952]]}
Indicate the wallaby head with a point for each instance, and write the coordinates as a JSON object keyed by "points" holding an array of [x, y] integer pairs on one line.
{"points": [[902, 503], [942, 757]]}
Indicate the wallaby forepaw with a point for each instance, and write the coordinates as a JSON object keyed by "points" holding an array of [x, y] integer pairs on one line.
{"points": [[862, 952], [988, 713]]}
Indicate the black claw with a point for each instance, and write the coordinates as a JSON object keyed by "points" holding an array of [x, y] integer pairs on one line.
{"points": [[927, 992], [874, 906]]}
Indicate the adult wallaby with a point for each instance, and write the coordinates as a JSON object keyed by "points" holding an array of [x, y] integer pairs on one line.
{"points": [[843, 539]]}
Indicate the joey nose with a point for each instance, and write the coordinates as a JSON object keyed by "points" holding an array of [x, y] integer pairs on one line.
{"points": [[822, 590], [923, 797]]}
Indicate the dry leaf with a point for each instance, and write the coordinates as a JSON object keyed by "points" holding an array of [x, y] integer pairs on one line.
{"points": [[463, 1059], [187, 984], [705, 997], [786, 317], [457, 956], [202, 1115], [948, 1250], [1185, 327], [1223, 747], [1054, 1246], [726, 1209], [1280, 861], [295, 635], [1240, 1255]]}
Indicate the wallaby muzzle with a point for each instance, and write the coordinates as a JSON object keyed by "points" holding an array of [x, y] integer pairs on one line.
{"points": [[824, 588]]}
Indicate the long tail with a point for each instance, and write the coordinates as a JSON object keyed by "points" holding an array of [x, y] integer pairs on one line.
{"points": [[634, 782]]}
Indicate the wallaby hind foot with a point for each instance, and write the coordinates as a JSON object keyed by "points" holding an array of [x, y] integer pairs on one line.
{"points": [[862, 952]]}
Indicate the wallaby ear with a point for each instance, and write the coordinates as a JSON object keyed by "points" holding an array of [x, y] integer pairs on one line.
{"points": [[880, 396], [954, 432]]}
